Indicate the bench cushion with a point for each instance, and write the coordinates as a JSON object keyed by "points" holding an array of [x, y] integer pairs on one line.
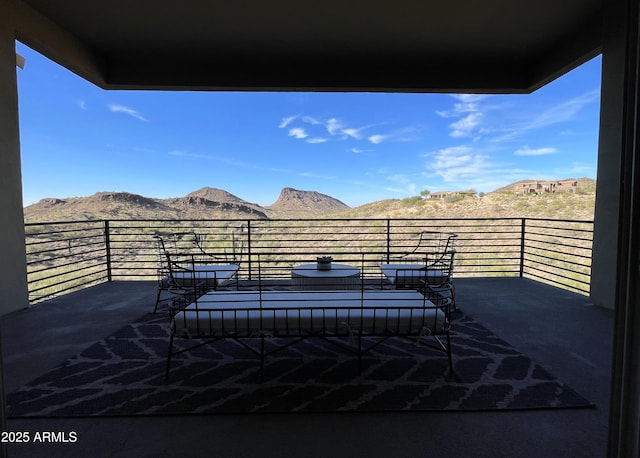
{"points": [[289, 313]]}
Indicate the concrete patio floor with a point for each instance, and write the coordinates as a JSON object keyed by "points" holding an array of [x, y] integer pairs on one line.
{"points": [[560, 330]]}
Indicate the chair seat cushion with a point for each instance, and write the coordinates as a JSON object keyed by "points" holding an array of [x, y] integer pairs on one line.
{"points": [[410, 275], [208, 275]]}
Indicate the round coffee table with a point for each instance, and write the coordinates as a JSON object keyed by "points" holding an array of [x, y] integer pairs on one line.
{"points": [[340, 276]]}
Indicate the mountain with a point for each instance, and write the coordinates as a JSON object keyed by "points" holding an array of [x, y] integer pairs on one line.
{"points": [[99, 205], [293, 202], [205, 208], [216, 195], [205, 203], [212, 203], [124, 205]]}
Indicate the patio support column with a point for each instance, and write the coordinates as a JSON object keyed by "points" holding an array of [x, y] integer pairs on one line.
{"points": [[610, 145], [624, 423], [13, 287]]}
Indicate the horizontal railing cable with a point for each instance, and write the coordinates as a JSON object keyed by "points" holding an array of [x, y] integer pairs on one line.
{"points": [[61, 255]]}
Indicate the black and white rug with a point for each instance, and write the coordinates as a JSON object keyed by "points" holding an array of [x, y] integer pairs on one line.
{"points": [[124, 375]]}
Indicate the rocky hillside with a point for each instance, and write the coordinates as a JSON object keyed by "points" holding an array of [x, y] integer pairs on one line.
{"points": [[293, 202], [205, 203], [502, 203], [217, 195], [211, 203], [493, 205]]}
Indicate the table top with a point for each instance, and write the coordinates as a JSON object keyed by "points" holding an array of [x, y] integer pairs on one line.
{"points": [[337, 270]]}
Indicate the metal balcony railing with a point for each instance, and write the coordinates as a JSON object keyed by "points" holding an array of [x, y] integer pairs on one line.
{"points": [[67, 256]]}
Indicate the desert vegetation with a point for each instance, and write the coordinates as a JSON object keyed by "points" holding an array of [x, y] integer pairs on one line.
{"points": [[546, 236]]}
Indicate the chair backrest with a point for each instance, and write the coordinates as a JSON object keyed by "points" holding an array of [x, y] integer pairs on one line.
{"points": [[433, 242], [171, 252], [440, 265], [162, 268], [189, 245]]}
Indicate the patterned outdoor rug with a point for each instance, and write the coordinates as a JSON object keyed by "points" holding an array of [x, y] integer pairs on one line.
{"points": [[124, 375]]}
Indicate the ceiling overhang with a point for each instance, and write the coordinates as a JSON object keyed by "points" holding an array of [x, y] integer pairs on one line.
{"points": [[291, 45]]}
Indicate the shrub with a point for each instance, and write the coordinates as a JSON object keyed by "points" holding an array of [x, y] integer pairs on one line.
{"points": [[411, 201]]}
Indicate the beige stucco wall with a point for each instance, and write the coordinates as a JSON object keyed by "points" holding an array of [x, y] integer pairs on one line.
{"points": [[610, 147], [19, 22], [13, 280]]}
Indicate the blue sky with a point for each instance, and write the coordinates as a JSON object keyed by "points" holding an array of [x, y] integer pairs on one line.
{"points": [[77, 139]]}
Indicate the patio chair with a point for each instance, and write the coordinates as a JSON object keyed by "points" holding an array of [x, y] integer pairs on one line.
{"points": [[199, 275], [162, 273], [428, 266], [191, 271], [433, 269], [194, 240]]}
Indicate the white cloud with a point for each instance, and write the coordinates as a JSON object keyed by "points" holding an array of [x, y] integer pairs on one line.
{"points": [[311, 120], [334, 126], [353, 133], [298, 132], [463, 167], [562, 112], [377, 138], [338, 130], [127, 110], [458, 163], [468, 98], [467, 105], [465, 126], [316, 140], [404, 134], [286, 121], [405, 183], [469, 113], [526, 151]]}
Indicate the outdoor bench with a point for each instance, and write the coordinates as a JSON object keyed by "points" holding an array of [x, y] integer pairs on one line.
{"points": [[347, 314]]}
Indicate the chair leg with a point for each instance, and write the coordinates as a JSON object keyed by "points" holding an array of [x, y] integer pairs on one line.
{"points": [[453, 297], [155, 309], [452, 373]]}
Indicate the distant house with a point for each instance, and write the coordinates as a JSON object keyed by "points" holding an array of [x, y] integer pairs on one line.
{"points": [[443, 194], [541, 187]]}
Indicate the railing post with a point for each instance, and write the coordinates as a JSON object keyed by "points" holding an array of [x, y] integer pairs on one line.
{"points": [[388, 239], [107, 245], [523, 231], [249, 247]]}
